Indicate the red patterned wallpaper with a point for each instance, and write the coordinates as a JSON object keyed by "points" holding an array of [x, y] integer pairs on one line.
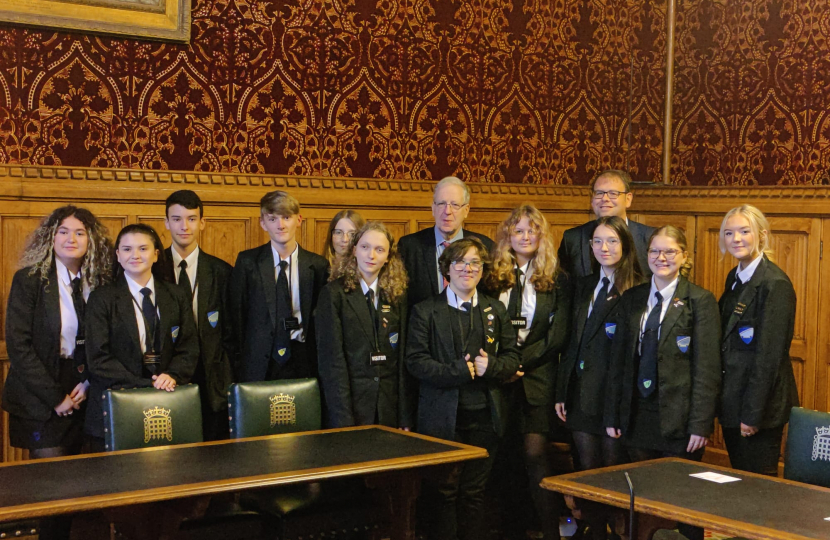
{"points": [[537, 91]]}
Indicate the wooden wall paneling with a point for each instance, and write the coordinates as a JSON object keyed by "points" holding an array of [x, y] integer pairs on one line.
{"points": [[222, 237], [822, 392], [15, 231], [560, 222]]}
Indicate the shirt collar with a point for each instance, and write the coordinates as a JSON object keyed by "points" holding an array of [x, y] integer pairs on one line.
{"points": [[190, 259], [746, 273], [439, 238], [135, 288], [373, 286], [292, 258], [602, 274], [63, 272], [454, 301], [666, 293]]}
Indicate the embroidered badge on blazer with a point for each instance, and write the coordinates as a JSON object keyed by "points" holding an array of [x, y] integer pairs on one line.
{"points": [[175, 333], [746, 333], [683, 343], [487, 309], [393, 340], [213, 318], [490, 339], [551, 316], [678, 302], [610, 329]]}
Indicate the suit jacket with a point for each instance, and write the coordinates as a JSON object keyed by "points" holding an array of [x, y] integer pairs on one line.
{"points": [[114, 350], [418, 254], [356, 392], [575, 253], [547, 338], [594, 337], [33, 341], [688, 382], [253, 307], [213, 327], [758, 383], [431, 358]]}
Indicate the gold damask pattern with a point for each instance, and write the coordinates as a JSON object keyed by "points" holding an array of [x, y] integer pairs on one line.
{"points": [[525, 91]]}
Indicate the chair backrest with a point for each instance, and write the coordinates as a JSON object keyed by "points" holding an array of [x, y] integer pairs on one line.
{"points": [[807, 457], [273, 407], [145, 417]]}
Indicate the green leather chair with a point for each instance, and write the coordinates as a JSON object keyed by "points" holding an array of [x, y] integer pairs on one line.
{"points": [[807, 458], [146, 417], [274, 407], [332, 509]]}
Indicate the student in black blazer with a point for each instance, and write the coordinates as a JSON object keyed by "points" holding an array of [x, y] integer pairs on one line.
{"points": [[610, 196], [130, 320], [271, 309], [665, 366], [525, 277], [581, 382], [361, 321], [758, 315], [462, 347], [205, 279], [67, 256], [420, 251]]}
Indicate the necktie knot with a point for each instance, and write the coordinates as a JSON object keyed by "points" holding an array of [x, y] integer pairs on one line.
{"points": [[445, 244], [605, 283], [738, 281], [76, 284], [183, 264], [370, 296], [146, 291], [466, 306], [659, 297], [283, 265]]}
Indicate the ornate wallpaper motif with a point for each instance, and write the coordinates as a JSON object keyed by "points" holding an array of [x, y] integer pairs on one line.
{"points": [[532, 91]]}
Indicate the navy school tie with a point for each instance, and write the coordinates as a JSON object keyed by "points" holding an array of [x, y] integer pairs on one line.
{"points": [[647, 375]]}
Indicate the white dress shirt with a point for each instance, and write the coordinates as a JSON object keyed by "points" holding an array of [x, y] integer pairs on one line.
{"points": [[454, 301], [135, 290], [668, 296], [746, 274], [69, 319], [374, 287], [439, 249], [192, 261], [528, 301], [293, 287]]}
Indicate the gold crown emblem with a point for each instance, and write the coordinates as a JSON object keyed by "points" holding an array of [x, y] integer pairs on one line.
{"points": [[281, 398], [823, 431], [158, 424], [157, 412], [283, 409]]}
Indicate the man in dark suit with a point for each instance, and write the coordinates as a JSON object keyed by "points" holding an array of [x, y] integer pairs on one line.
{"points": [[204, 280], [610, 196], [273, 293], [420, 251]]}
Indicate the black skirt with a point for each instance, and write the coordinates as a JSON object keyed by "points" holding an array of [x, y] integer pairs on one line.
{"points": [[577, 419]]}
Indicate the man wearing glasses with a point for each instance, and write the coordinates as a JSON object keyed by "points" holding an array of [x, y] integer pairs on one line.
{"points": [[611, 196], [420, 251]]}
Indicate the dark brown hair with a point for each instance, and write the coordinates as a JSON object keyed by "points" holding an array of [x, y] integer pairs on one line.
{"points": [[628, 272], [457, 250]]}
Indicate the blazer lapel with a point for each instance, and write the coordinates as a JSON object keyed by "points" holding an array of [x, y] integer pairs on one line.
{"points": [[747, 296], [52, 301], [676, 305], [269, 284], [306, 275], [428, 253], [166, 306], [357, 302], [124, 304], [442, 318], [581, 312], [204, 290], [584, 249], [490, 338], [598, 318]]}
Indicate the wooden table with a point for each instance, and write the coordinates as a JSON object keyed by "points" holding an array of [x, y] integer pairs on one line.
{"points": [[79, 483], [757, 507]]}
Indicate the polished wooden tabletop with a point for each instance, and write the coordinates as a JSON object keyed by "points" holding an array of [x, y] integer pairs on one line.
{"points": [[756, 507], [78, 483]]}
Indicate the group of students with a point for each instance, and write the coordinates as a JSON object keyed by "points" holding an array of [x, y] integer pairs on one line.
{"points": [[444, 332]]}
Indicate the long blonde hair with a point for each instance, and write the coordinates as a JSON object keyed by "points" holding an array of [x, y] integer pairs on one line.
{"points": [[39, 252], [545, 265], [392, 279], [757, 223]]}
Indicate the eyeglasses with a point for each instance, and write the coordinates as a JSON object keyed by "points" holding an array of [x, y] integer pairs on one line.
{"points": [[598, 242], [337, 233], [613, 194], [669, 254], [455, 207], [460, 266], [531, 233]]}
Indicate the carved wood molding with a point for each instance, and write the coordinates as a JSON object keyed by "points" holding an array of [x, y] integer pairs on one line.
{"points": [[19, 182]]}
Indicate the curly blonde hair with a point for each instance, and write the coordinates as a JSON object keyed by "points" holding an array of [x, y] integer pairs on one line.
{"points": [[392, 279], [39, 253], [680, 237], [545, 265]]}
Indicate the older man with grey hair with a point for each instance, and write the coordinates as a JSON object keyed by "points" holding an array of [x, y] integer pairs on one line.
{"points": [[420, 250]]}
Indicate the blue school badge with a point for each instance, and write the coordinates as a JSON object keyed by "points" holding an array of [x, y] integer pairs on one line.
{"points": [[683, 343], [582, 365], [610, 329], [393, 340], [213, 318], [647, 384], [175, 332], [746, 333]]}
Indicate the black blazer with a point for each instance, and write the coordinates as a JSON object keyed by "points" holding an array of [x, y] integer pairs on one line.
{"points": [[431, 358], [758, 383], [595, 339], [213, 327], [33, 341], [575, 254], [253, 308], [547, 338], [355, 391], [418, 254], [688, 382], [113, 348]]}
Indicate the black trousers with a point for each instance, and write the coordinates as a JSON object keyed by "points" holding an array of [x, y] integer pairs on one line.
{"points": [[458, 509], [758, 454]]}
